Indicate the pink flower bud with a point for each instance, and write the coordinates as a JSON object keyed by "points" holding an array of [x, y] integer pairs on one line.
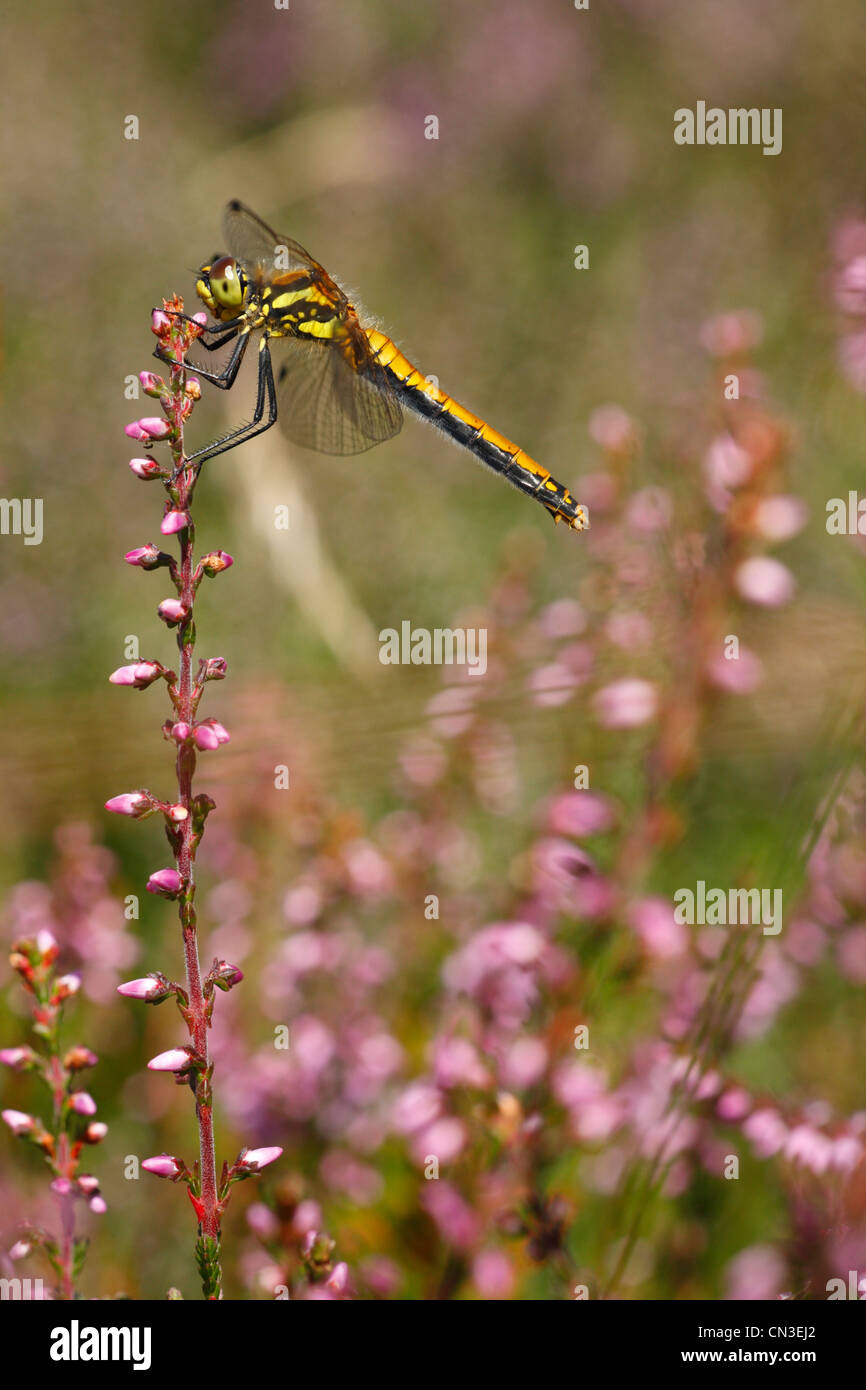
{"points": [[256, 1159], [200, 317], [173, 522], [95, 1132], [262, 1221], [147, 557], [82, 1103], [20, 1250], [215, 669], [166, 882], [97, 1205], [172, 611], [88, 1184], [148, 989], [176, 1059], [151, 427], [141, 675], [626, 704], [779, 518], [160, 323], [46, 946], [77, 1058], [177, 813], [162, 1166], [215, 562], [180, 732], [135, 804], [151, 384], [18, 1058], [65, 987], [146, 469], [764, 581], [338, 1279], [18, 1122], [205, 738], [225, 976]]}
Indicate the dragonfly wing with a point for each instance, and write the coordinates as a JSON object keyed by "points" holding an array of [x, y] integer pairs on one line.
{"points": [[326, 405], [264, 253]]}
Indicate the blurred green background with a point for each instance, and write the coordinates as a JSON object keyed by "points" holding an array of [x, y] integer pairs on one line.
{"points": [[555, 129]]}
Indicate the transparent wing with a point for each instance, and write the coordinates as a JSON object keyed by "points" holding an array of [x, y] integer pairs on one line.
{"points": [[264, 253], [326, 405]]}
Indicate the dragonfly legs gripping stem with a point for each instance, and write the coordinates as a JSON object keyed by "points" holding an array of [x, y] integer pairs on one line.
{"points": [[266, 396]]}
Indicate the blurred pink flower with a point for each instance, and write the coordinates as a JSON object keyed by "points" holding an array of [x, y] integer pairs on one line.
{"points": [[626, 703], [765, 581]]}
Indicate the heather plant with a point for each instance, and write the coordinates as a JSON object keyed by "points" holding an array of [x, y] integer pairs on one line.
{"points": [[70, 1127], [184, 817]]}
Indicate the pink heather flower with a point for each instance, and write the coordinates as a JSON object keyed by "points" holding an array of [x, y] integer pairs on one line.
{"points": [[756, 1274], [88, 1184], [97, 1205], [216, 561], [17, 1057], [738, 675], [579, 813], [766, 1131], [456, 1063], [172, 611], [726, 466], [779, 518], [46, 945], [174, 521], [256, 1159], [444, 1139], [18, 1122], [262, 1221], [175, 1059], [626, 703], [62, 1186], [851, 954], [650, 509], [151, 384], [493, 1274], [661, 935], [199, 317], [141, 989], [552, 685], [613, 429], [66, 986], [563, 618], [456, 1220], [524, 1063], [141, 675], [307, 1217], [146, 557], [226, 976], [95, 1132], [338, 1280], [847, 1153], [162, 1166], [149, 427], [850, 287], [180, 732], [210, 735], [629, 631], [732, 334], [418, 1105], [810, 1147], [734, 1104], [82, 1103], [216, 668], [166, 882], [129, 804], [764, 581], [20, 1250], [452, 710], [77, 1058], [146, 469], [160, 323]]}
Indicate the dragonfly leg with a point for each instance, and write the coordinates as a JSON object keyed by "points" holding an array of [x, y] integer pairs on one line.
{"points": [[225, 378], [266, 397]]}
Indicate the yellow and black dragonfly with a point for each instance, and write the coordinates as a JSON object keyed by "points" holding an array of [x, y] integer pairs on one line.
{"points": [[340, 386]]}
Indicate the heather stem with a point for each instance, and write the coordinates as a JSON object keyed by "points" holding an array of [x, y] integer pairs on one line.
{"points": [[186, 702]]}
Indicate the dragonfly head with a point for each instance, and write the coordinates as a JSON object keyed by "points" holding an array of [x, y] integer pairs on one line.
{"points": [[222, 287]]}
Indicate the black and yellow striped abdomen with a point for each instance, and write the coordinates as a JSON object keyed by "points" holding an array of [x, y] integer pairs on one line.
{"points": [[419, 394]]}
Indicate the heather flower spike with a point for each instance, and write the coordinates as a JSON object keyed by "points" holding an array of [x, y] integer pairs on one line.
{"points": [[184, 812], [69, 1111]]}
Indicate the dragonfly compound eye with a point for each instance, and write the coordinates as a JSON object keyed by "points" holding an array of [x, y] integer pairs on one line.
{"points": [[226, 283]]}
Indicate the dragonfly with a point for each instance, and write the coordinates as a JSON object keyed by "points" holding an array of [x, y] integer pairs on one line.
{"points": [[339, 387]]}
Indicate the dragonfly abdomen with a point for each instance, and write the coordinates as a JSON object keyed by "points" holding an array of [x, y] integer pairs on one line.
{"points": [[499, 453]]}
